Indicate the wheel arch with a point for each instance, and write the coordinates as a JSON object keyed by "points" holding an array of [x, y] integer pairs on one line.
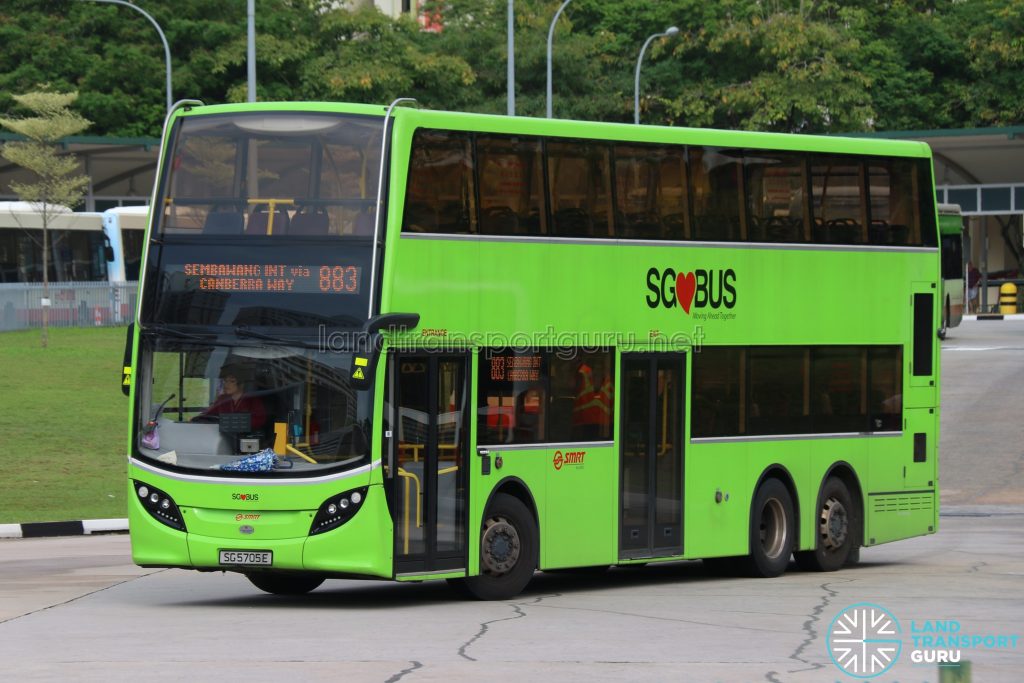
{"points": [[517, 488]]}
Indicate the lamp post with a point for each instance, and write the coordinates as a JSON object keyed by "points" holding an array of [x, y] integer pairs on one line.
{"points": [[670, 31], [163, 38], [551, 35], [250, 48]]}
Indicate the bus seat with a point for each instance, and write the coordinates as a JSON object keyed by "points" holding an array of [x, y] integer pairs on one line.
{"points": [[643, 226], [844, 231], [675, 227], [310, 221], [572, 222], [259, 220], [878, 232], [223, 223], [499, 220]]}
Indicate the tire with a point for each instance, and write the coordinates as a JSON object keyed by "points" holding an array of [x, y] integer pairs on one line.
{"points": [[772, 530], [837, 530], [944, 330], [285, 584], [508, 550]]}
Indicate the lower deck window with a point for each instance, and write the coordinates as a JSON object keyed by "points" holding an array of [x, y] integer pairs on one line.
{"points": [[753, 391]]}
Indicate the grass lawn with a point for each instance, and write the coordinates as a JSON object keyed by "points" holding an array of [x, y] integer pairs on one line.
{"points": [[63, 425]]}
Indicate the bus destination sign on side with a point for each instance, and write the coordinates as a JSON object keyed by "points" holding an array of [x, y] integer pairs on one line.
{"points": [[269, 277], [515, 368]]}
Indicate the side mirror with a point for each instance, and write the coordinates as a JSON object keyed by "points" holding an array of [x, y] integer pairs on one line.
{"points": [[367, 353]]}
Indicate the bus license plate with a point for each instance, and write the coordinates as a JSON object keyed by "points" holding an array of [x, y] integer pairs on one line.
{"points": [[263, 558]]}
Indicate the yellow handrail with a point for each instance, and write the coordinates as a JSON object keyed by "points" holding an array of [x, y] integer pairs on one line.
{"points": [[419, 522]]}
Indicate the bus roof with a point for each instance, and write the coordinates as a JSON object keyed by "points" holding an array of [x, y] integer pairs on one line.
{"points": [[26, 215], [522, 125], [129, 217]]}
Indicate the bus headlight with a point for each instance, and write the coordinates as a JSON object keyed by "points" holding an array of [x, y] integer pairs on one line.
{"points": [[160, 506], [337, 510]]}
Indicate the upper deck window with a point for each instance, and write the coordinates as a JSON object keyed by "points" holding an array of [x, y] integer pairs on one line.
{"points": [[504, 185], [440, 196], [273, 174], [511, 186]]}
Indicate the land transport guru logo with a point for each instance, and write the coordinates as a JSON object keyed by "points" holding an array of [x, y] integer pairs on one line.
{"points": [[864, 640], [695, 290]]}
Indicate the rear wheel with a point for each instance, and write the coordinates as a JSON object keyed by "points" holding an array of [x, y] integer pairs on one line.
{"points": [[508, 550], [838, 530], [285, 584], [772, 530]]}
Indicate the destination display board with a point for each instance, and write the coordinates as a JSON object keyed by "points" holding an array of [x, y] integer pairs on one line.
{"points": [[279, 278]]}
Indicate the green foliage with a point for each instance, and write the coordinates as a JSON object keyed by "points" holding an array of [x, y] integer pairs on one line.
{"points": [[52, 119], [788, 65]]}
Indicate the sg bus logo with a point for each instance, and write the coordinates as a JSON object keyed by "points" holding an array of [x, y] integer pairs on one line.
{"points": [[694, 289]]}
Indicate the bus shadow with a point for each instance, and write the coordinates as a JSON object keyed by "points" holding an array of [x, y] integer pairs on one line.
{"points": [[370, 594]]}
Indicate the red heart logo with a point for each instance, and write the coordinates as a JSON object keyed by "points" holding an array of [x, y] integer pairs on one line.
{"points": [[686, 287]]}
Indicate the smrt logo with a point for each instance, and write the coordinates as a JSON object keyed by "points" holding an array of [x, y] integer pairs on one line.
{"points": [[698, 288], [245, 496], [253, 516], [569, 458]]}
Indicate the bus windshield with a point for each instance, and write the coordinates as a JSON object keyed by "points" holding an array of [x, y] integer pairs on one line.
{"points": [[268, 220], [234, 407], [273, 174]]}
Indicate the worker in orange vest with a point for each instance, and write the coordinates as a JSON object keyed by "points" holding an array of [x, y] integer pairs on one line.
{"points": [[592, 411]]}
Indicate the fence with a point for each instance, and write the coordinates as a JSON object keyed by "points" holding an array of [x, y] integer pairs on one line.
{"points": [[72, 304]]}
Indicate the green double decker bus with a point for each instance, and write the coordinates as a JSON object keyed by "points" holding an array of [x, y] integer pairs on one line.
{"points": [[382, 342]]}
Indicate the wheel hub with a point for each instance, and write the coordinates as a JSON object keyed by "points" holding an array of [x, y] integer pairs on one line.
{"points": [[773, 528], [500, 546], [834, 524]]}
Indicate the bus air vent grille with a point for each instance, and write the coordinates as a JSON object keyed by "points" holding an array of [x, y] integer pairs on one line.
{"points": [[904, 503]]}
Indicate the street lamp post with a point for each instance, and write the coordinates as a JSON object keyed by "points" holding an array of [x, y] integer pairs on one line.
{"points": [[250, 48], [670, 31], [163, 38], [551, 35]]}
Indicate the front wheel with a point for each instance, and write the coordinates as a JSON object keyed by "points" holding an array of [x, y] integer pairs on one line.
{"points": [[508, 550], [838, 530], [285, 584], [772, 530]]}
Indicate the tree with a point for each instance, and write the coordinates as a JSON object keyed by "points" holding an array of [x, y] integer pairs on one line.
{"points": [[56, 185]]}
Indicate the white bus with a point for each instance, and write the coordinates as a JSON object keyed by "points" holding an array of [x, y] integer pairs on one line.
{"points": [[84, 246]]}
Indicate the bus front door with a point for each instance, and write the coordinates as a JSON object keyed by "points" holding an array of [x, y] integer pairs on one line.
{"points": [[430, 430], [651, 459]]}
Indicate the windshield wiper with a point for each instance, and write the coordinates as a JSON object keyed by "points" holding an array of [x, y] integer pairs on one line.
{"points": [[244, 332], [169, 331]]}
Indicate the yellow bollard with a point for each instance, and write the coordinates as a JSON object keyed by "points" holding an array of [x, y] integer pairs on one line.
{"points": [[1008, 298]]}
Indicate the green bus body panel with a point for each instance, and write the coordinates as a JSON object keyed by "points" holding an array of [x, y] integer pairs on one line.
{"points": [[279, 520], [480, 292]]}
